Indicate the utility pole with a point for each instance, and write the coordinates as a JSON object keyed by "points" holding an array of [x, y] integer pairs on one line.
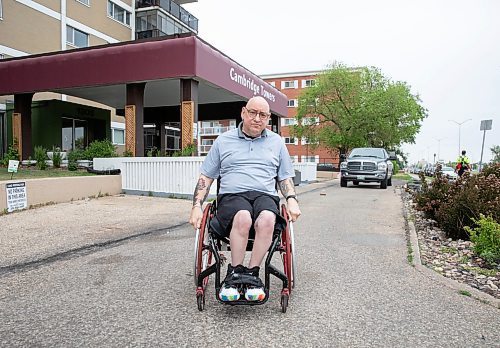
{"points": [[485, 125], [459, 126]]}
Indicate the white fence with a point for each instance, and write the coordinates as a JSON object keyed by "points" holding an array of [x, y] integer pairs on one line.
{"points": [[170, 176]]}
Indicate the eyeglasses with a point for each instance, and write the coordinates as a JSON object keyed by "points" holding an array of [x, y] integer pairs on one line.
{"points": [[253, 114]]}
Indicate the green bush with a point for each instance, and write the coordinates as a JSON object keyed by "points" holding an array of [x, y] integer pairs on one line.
{"points": [[56, 157], [73, 157], [187, 151], [395, 167], [11, 154], [486, 239], [466, 200], [41, 157], [100, 149]]}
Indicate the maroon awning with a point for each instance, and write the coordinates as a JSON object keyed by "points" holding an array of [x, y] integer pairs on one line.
{"points": [[131, 62]]}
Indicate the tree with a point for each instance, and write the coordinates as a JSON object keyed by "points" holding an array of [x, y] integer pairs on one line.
{"points": [[358, 108], [495, 151]]}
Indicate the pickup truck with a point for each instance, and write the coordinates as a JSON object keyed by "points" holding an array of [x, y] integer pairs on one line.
{"points": [[367, 164]]}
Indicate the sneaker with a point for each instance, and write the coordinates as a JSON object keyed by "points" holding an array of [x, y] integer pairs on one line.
{"points": [[255, 288], [229, 290]]}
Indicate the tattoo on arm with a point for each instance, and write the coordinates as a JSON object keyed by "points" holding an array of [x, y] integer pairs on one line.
{"points": [[287, 187], [201, 190]]}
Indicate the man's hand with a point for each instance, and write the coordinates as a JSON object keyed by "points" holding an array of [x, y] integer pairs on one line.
{"points": [[196, 216], [293, 209]]}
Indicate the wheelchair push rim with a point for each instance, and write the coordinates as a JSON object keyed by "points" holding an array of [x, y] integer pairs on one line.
{"points": [[288, 250], [202, 251]]}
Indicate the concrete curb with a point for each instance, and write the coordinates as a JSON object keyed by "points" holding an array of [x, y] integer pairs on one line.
{"points": [[451, 283]]}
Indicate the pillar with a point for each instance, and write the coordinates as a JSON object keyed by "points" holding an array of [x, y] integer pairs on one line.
{"points": [[134, 119], [189, 111], [21, 124]]}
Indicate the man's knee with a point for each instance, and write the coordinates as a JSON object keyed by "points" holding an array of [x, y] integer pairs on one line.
{"points": [[265, 222], [242, 221]]}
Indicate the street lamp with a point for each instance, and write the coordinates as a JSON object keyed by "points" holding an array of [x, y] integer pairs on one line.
{"points": [[460, 125]]}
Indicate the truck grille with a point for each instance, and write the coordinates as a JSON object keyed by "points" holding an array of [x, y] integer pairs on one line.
{"points": [[362, 166]]}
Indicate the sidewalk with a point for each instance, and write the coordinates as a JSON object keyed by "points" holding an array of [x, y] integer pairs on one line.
{"points": [[31, 236]]}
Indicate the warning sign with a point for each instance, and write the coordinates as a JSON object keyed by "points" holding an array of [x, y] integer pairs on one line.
{"points": [[16, 196]]}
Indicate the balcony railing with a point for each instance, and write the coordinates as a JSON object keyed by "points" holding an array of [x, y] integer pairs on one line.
{"points": [[174, 9], [145, 34], [215, 130]]}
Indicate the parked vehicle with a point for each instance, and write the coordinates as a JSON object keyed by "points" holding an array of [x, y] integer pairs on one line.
{"points": [[449, 173], [367, 164]]}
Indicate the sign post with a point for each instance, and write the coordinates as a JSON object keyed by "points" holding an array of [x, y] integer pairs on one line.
{"points": [[485, 125]]}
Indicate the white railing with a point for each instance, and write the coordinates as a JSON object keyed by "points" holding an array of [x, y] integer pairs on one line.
{"points": [[170, 176], [214, 130]]}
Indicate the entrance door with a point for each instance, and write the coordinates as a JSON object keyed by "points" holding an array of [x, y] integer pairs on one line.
{"points": [[74, 134]]}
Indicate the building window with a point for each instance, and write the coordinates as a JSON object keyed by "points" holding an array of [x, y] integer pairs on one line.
{"points": [[85, 2], [118, 136], [293, 103], [272, 83], [2, 56], [289, 84], [288, 122], [118, 13], [172, 139], [76, 37], [291, 141], [313, 159], [294, 159], [308, 83]]}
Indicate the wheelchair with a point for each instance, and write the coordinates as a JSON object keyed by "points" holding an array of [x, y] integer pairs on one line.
{"points": [[208, 259]]}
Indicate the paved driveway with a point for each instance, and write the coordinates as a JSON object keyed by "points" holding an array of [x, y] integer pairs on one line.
{"points": [[355, 287]]}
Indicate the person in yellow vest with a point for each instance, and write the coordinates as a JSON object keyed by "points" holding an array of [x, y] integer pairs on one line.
{"points": [[463, 164]]}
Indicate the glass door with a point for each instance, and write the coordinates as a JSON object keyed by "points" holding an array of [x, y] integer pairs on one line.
{"points": [[74, 134]]}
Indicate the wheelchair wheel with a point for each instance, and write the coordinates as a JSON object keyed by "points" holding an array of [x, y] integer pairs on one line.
{"points": [[288, 250], [284, 302], [202, 253]]}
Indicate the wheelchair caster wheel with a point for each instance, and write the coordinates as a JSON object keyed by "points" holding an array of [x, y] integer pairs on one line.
{"points": [[284, 303], [200, 300]]}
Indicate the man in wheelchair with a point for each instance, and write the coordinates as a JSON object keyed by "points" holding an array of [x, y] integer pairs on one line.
{"points": [[247, 161]]}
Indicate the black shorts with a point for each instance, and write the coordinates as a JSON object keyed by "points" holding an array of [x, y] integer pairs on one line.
{"points": [[253, 201]]}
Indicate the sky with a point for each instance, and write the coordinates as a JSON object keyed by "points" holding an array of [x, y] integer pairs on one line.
{"points": [[448, 51]]}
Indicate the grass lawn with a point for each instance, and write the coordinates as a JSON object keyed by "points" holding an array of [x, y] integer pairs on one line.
{"points": [[403, 176], [33, 173]]}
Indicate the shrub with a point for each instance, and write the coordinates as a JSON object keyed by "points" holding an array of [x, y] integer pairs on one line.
{"points": [[187, 151], [431, 196], [470, 197], [56, 157], [41, 157], [100, 149], [395, 167], [127, 153], [11, 154], [73, 157], [486, 239]]}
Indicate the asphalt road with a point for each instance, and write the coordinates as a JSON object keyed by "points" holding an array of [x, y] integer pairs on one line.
{"points": [[355, 288]]}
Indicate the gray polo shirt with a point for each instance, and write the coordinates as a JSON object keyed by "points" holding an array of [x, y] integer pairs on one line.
{"points": [[246, 164]]}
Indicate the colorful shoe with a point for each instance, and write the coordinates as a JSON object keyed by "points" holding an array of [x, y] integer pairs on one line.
{"points": [[229, 290], [255, 288]]}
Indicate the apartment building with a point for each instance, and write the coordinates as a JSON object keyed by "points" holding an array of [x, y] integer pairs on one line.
{"points": [[30, 27], [292, 84]]}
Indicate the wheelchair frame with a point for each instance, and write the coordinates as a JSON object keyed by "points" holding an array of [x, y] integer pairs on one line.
{"points": [[209, 259]]}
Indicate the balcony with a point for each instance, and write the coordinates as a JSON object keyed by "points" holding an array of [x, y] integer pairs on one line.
{"points": [[174, 9], [205, 148], [215, 130]]}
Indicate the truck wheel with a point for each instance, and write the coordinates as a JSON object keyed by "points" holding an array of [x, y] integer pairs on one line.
{"points": [[343, 183], [389, 182], [383, 184], [355, 182]]}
